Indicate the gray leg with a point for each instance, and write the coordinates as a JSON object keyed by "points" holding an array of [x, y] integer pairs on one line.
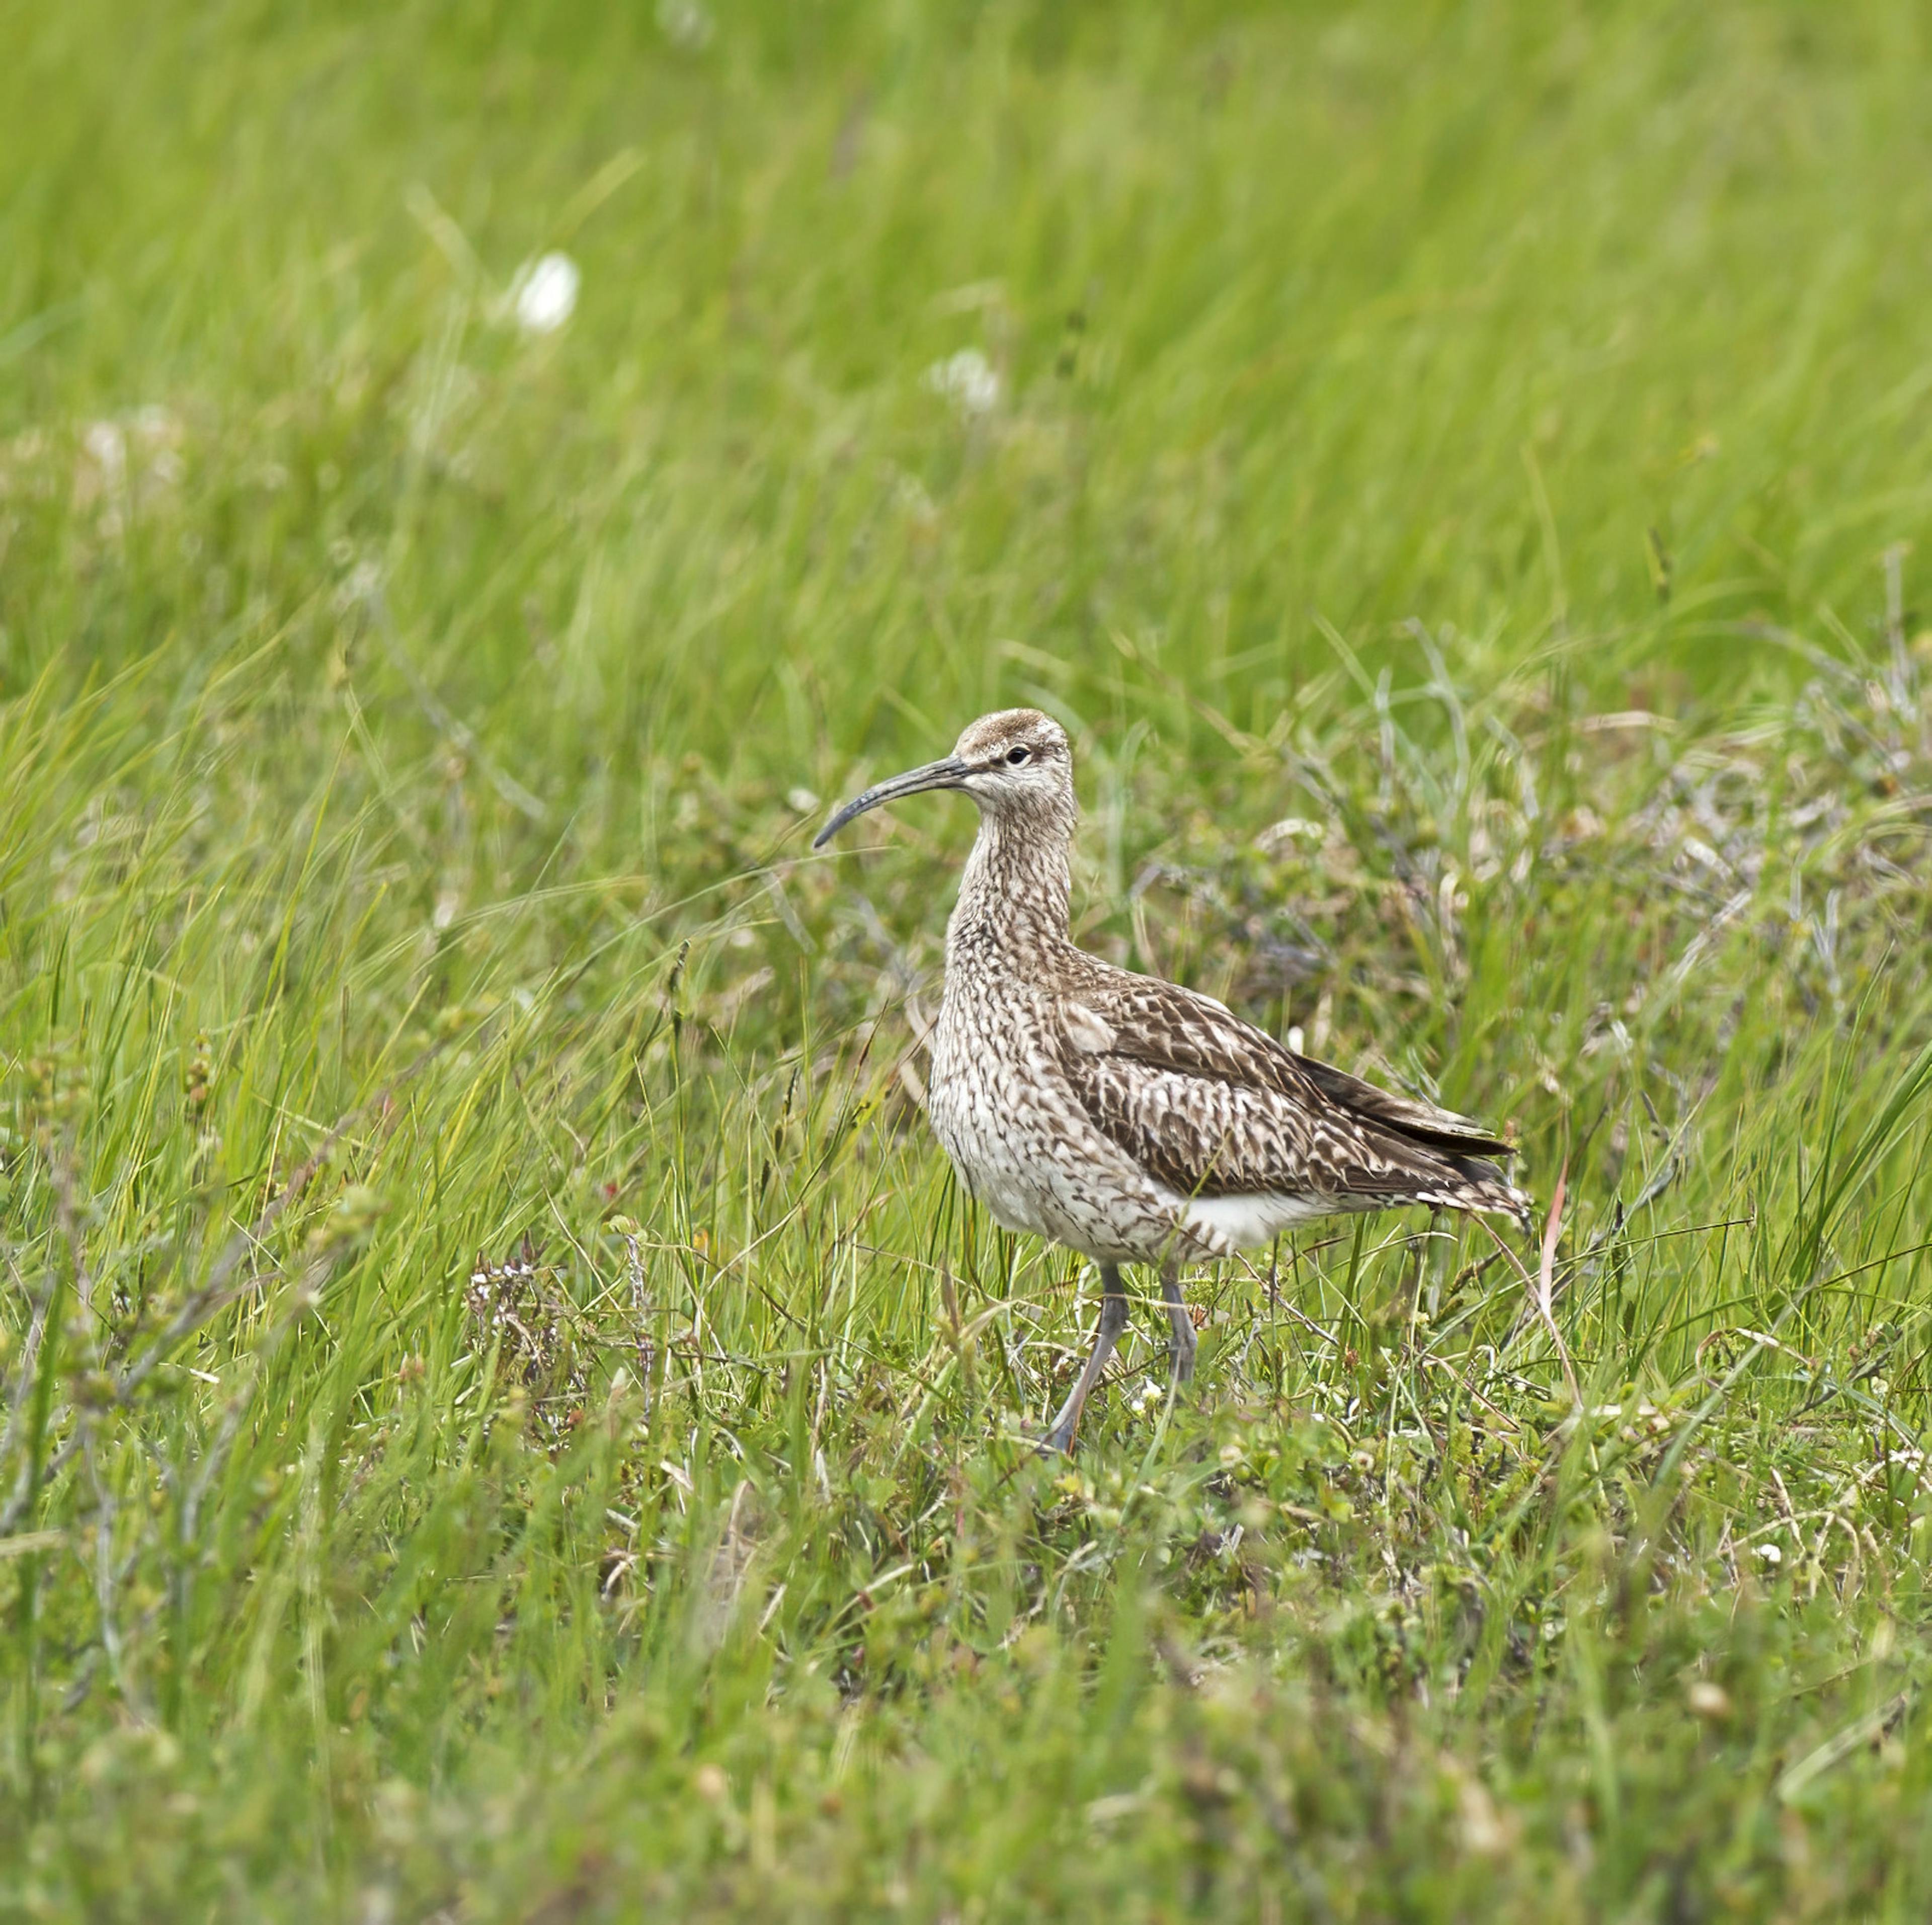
{"points": [[1113, 1321], [1184, 1343]]}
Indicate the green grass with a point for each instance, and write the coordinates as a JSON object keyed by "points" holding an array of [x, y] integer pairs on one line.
{"points": [[1490, 437]]}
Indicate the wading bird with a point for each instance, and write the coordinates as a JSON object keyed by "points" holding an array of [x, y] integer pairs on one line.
{"points": [[1128, 1118]]}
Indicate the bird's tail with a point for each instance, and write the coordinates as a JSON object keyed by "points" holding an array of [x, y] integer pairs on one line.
{"points": [[1481, 1189]]}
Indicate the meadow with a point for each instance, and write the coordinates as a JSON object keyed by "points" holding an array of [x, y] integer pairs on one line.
{"points": [[505, 1414]]}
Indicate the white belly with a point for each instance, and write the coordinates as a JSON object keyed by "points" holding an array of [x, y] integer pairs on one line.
{"points": [[1242, 1221]]}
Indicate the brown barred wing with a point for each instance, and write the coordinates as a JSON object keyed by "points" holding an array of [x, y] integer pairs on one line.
{"points": [[1200, 1135], [1210, 1106]]}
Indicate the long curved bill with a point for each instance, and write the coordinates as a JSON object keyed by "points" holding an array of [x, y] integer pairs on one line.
{"points": [[947, 773]]}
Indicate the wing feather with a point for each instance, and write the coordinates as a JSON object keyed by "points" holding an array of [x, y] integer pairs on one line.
{"points": [[1211, 1106]]}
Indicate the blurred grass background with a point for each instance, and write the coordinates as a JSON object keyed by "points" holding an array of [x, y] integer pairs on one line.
{"points": [[506, 1415]]}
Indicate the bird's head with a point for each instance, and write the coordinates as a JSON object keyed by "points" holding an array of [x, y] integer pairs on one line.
{"points": [[1016, 765]]}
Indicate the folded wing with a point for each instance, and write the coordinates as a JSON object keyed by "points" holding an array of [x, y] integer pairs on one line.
{"points": [[1210, 1106]]}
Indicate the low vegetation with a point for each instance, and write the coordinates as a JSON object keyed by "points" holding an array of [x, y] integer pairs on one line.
{"points": [[504, 1412]]}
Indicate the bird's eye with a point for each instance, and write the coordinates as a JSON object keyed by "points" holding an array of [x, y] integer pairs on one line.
{"points": [[1014, 757]]}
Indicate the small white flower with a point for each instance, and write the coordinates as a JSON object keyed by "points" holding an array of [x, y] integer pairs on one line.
{"points": [[156, 427], [107, 448], [543, 294], [968, 380], [685, 24], [1771, 1553]]}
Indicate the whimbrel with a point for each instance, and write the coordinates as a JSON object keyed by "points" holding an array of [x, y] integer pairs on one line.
{"points": [[1128, 1118]]}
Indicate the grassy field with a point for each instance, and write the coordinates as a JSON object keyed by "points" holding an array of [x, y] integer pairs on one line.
{"points": [[504, 1414]]}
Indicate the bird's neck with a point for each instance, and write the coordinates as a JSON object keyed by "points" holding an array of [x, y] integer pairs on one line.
{"points": [[1013, 895]]}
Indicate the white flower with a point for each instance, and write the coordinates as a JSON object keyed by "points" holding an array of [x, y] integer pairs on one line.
{"points": [[1770, 1553], [156, 427], [107, 448], [684, 23], [968, 380], [543, 294]]}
